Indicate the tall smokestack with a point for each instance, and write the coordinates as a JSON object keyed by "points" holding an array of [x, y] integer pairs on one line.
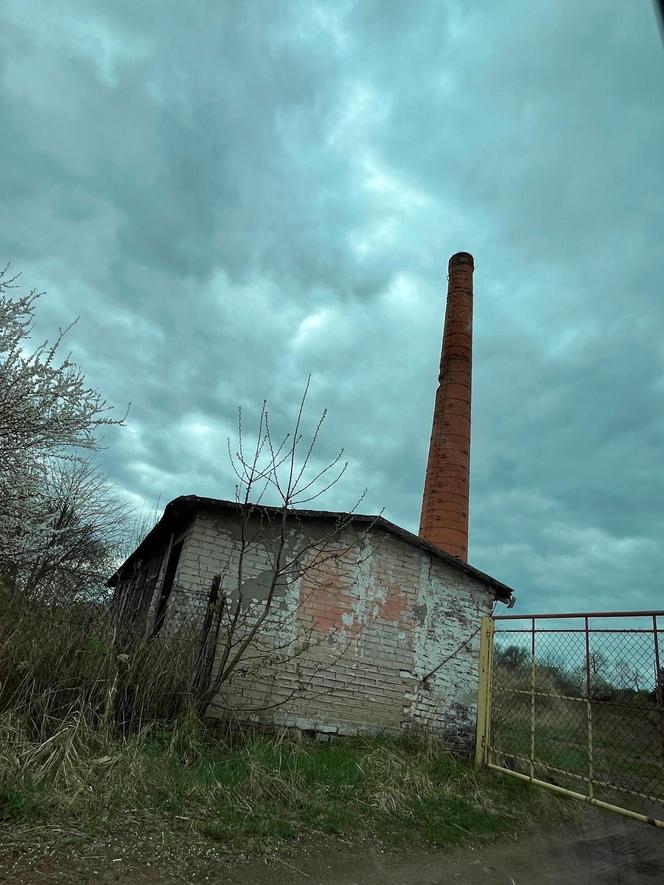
{"points": [[444, 519]]}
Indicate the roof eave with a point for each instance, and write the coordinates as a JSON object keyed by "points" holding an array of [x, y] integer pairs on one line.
{"points": [[187, 505]]}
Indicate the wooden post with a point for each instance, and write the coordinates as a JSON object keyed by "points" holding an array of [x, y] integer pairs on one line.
{"points": [[208, 649]]}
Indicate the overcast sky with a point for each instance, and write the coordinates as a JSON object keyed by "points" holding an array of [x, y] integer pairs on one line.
{"points": [[233, 195]]}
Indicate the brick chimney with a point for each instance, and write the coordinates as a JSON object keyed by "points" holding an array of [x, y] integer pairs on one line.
{"points": [[444, 519]]}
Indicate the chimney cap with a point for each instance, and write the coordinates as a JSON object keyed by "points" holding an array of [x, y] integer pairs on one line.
{"points": [[462, 258]]}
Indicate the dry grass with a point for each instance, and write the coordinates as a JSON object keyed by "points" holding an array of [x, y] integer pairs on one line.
{"points": [[98, 736], [63, 664], [255, 793]]}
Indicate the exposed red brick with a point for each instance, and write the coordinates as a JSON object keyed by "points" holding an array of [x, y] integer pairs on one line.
{"points": [[395, 605], [324, 598], [444, 519]]}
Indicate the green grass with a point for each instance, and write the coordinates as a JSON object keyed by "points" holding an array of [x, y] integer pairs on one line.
{"points": [[18, 799], [626, 744], [627, 740], [261, 792], [614, 750]]}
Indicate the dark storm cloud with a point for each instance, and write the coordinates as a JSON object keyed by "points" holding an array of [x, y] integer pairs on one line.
{"points": [[233, 195]]}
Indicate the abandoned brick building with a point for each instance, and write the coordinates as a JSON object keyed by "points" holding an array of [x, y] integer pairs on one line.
{"points": [[375, 629]]}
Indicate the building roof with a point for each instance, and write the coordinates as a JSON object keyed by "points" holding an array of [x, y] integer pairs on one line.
{"points": [[180, 511]]}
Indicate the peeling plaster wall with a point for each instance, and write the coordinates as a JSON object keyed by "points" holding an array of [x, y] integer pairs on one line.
{"points": [[379, 617]]}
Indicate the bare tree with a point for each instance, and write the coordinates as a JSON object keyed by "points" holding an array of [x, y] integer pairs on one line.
{"points": [[599, 664], [627, 676], [47, 413], [87, 525], [245, 635]]}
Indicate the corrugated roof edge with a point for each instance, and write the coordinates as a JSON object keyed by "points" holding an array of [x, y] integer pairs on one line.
{"points": [[184, 507]]}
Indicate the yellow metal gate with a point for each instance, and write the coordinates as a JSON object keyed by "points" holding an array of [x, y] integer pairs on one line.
{"points": [[575, 703]]}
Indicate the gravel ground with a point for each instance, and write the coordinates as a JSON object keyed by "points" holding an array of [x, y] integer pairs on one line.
{"points": [[598, 848]]}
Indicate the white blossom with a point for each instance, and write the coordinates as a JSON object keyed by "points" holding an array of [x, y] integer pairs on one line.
{"points": [[48, 419]]}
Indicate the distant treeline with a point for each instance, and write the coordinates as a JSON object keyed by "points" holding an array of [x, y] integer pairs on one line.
{"points": [[619, 677]]}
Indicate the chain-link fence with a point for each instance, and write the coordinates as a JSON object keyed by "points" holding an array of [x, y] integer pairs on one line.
{"points": [[577, 702]]}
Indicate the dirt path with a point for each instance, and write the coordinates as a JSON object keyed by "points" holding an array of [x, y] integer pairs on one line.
{"points": [[599, 848]]}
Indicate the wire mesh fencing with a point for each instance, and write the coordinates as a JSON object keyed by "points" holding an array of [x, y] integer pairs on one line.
{"points": [[577, 702]]}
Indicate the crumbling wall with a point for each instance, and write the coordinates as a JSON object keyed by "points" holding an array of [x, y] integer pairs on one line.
{"points": [[375, 618]]}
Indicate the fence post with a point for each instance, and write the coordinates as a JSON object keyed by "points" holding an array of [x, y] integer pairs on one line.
{"points": [[484, 693], [589, 711], [532, 697], [659, 682]]}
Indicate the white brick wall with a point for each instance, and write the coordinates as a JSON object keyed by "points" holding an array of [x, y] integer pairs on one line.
{"points": [[382, 616]]}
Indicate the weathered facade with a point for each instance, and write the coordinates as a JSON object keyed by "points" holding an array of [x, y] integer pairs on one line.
{"points": [[369, 628], [373, 617]]}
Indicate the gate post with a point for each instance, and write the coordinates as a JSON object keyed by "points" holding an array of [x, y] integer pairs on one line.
{"points": [[484, 693]]}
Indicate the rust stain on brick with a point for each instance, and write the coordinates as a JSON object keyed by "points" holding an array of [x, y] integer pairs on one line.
{"points": [[395, 605], [325, 599]]}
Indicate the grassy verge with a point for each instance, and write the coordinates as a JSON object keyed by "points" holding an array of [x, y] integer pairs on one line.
{"points": [[257, 794]]}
